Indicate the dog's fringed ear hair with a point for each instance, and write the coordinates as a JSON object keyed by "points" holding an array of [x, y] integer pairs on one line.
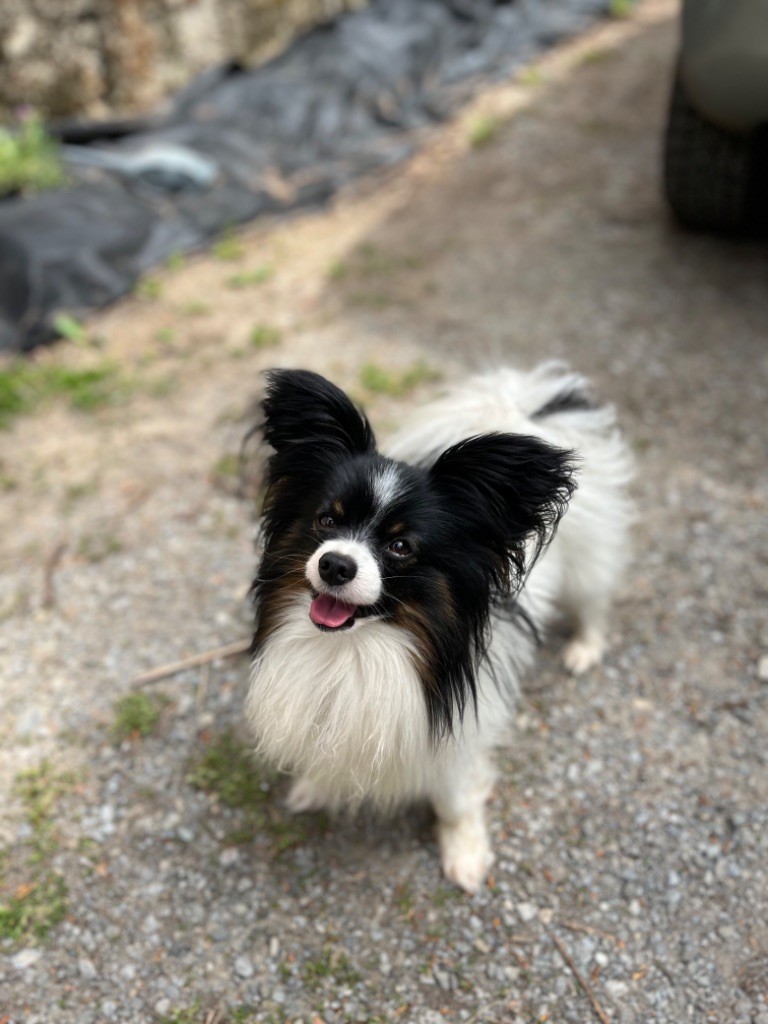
{"points": [[508, 488], [310, 423]]}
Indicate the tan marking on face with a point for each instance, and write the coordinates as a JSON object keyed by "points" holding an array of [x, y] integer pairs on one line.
{"points": [[398, 528]]}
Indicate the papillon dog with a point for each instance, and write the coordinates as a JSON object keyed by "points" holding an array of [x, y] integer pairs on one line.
{"points": [[400, 596]]}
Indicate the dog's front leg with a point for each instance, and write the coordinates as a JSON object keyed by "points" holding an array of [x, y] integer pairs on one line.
{"points": [[305, 795], [459, 796]]}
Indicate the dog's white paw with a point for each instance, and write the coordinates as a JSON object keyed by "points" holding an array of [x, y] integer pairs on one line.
{"points": [[584, 652], [465, 854], [304, 795]]}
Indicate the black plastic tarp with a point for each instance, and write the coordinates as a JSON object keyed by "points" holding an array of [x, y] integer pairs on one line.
{"points": [[345, 97]]}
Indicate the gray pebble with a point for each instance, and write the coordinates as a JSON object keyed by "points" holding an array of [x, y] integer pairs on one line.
{"points": [[243, 967], [86, 968]]}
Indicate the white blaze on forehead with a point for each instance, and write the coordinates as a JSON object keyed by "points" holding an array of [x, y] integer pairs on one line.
{"points": [[387, 487], [365, 588]]}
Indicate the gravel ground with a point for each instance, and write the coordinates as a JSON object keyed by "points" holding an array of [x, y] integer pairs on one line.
{"points": [[148, 873]]}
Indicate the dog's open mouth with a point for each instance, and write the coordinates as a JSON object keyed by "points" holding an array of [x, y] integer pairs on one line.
{"points": [[331, 614], [328, 612]]}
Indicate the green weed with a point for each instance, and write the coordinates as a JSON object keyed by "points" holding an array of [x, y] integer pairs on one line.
{"points": [[227, 769], [482, 130], [370, 299], [403, 899], [250, 278], [195, 308], [225, 474], [34, 909], [241, 1014], [95, 547], [597, 56], [175, 261], [39, 789], [191, 1015], [24, 386], [8, 483], [331, 964], [621, 8], [338, 270], [165, 335], [29, 159], [149, 288], [265, 336], [87, 389], [137, 714], [530, 76], [228, 249], [68, 327], [38, 904], [384, 382]]}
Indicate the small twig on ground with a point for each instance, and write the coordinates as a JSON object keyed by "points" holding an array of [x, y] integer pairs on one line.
{"points": [[49, 571], [204, 658], [581, 980], [588, 929]]}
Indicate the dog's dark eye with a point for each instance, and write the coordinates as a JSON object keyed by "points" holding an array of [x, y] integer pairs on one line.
{"points": [[326, 521], [400, 548]]}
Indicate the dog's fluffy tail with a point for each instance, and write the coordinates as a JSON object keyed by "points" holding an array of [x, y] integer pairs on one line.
{"points": [[549, 399]]}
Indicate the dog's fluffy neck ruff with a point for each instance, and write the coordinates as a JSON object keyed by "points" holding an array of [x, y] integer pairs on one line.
{"points": [[345, 710]]}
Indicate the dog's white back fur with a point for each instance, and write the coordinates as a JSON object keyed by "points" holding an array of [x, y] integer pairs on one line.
{"points": [[346, 713]]}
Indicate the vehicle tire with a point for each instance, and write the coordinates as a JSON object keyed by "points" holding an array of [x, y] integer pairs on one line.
{"points": [[710, 175]]}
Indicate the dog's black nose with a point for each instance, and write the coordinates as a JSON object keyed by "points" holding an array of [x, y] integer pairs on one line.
{"points": [[336, 569]]}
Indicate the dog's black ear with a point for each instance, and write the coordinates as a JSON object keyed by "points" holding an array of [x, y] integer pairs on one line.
{"points": [[507, 488], [306, 417]]}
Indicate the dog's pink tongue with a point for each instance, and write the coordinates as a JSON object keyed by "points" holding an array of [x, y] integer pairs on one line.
{"points": [[326, 610]]}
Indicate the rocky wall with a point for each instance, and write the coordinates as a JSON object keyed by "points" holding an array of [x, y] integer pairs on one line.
{"points": [[95, 57]]}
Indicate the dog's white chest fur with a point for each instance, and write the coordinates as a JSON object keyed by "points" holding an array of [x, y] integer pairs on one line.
{"points": [[346, 710]]}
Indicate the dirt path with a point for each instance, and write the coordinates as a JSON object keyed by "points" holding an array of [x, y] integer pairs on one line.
{"points": [[631, 822]]}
